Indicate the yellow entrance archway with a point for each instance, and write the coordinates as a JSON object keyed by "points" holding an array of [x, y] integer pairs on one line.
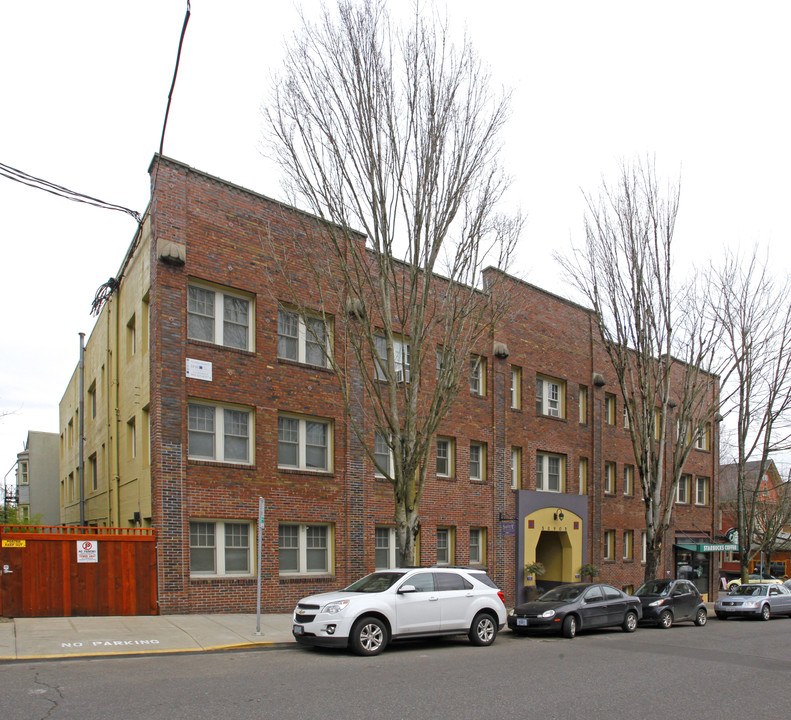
{"points": [[553, 537]]}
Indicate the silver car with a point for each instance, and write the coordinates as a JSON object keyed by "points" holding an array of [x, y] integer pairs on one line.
{"points": [[760, 600]]}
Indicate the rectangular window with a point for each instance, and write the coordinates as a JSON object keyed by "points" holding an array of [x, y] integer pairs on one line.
{"points": [[516, 387], [701, 491], [220, 547], [703, 437], [583, 476], [478, 375], [24, 477], [583, 405], [131, 337], [383, 457], [446, 466], [643, 546], [626, 423], [304, 443], [682, 493], [446, 551], [550, 472], [628, 544], [477, 461], [93, 473], [92, 399], [24, 513], [220, 317], [304, 549], [609, 478], [550, 397], [609, 544], [302, 338], [516, 468], [477, 546], [131, 438], [220, 433], [628, 479], [400, 359], [609, 409], [384, 547]]}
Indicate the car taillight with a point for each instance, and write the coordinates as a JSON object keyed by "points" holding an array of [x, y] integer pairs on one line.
{"points": [[501, 595]]}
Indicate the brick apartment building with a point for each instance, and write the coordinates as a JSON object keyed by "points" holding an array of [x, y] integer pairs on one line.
{"points": [[203, 395]]}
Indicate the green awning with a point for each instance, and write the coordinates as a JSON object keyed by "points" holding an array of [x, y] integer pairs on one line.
{"points": [[710, 547]]}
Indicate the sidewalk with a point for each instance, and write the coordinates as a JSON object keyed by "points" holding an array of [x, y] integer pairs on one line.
{"points": [[66, 637]]}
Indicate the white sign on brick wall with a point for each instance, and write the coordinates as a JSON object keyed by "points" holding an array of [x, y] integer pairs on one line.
{"points": [[198, 369]]}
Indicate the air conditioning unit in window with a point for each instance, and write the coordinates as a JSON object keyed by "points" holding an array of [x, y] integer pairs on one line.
{"points": [[402, 375]]}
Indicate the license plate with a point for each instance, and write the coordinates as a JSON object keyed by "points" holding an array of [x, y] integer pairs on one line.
{"points": [[298, 630], [521, 622]]}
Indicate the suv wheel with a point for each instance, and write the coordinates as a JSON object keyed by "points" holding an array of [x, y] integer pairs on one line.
{"points": [[483, 630], [369, 636]]}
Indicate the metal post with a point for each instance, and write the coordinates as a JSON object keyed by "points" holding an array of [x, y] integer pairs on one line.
{"points": [[260, 527], [81, 430]]}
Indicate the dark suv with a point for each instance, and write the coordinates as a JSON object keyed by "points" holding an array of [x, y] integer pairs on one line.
{"points": [[668, 601]]}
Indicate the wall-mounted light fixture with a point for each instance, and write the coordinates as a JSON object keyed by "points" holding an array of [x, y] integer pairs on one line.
{"points": [[559, 515]]}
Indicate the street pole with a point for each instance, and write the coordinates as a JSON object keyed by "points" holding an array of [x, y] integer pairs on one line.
{"points": [[260, 525]]}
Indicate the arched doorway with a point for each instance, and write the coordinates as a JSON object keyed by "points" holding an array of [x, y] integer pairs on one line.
{"points": [[552, 537], [550, 552]]}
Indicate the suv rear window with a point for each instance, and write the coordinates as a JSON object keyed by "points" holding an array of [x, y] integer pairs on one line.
{"points": [[485, 579], [451, 581]]}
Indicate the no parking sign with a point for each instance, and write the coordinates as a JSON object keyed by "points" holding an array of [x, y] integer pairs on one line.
{"points": [[87, 551]]}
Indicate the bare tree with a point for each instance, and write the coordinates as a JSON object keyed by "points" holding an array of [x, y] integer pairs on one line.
{"points": [[754, 312], [395, 134], [655, 333]]}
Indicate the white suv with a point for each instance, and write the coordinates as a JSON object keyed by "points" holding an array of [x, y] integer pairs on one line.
{"points": [[401, 604]]}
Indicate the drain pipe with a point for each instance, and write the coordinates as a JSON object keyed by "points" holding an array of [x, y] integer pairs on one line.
{"points": [[81, 430]]}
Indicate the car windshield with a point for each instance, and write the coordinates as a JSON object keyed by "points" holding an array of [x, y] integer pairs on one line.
{"points": [[564, 593], [750, 590], [375, 582], [655, 587]]}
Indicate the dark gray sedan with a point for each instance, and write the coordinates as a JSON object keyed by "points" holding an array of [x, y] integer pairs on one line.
{"points": [[577, 606], [758, 600]]}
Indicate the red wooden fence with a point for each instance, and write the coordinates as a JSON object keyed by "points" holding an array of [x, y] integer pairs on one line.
{"points": [[54, 571]]}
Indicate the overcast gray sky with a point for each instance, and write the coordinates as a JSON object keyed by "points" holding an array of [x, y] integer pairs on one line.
{"points": [[701, 85]]}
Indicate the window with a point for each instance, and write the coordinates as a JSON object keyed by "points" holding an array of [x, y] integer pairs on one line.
{"points": [[516, 468], [626, 422], [384, 547], [445, 457], [303, 549], [304, 443], [220, 433], [477, 546], [628, 479], [478, 375], [643, 546], [220, 547], [628, 544], [682, 493], [24, 477], [302, 338], [400, 358], [219, 317], [703, 438], [92, 398], [516, 387], [550, 472], [446, 550], [609, 409], [131, 438], [609, 478], [609, 544], [24, 513], [383, 457], [701, 491], [131, 337], [93, 472], [583, 476], [550, 397], [583, 404], [477, 461]]}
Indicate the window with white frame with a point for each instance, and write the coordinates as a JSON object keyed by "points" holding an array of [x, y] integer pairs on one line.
{"points": [[628, 479], [516, 468], [24, 513], [516, 387], [220, 547], [609, 409], [628, 544], [400, 358], [304, 443], [302, 338], [583, 471], [304, 549], [477, 461], [478, 375], [383, 456], [24, 477], [583, 405], [643, 546], [384, 547], [703, 437], [682, 492], [221, 433], [550, 472], [219, 316], [445, 457], [609, 545], [550, 398], [701, 491], [477, 546], [446, 545], [609, 478]]}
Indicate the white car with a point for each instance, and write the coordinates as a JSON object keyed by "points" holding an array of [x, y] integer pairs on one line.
{"points": [[402, 604]]}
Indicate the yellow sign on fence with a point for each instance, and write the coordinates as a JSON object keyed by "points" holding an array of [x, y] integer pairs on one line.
{"points": [[13, 543]]}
